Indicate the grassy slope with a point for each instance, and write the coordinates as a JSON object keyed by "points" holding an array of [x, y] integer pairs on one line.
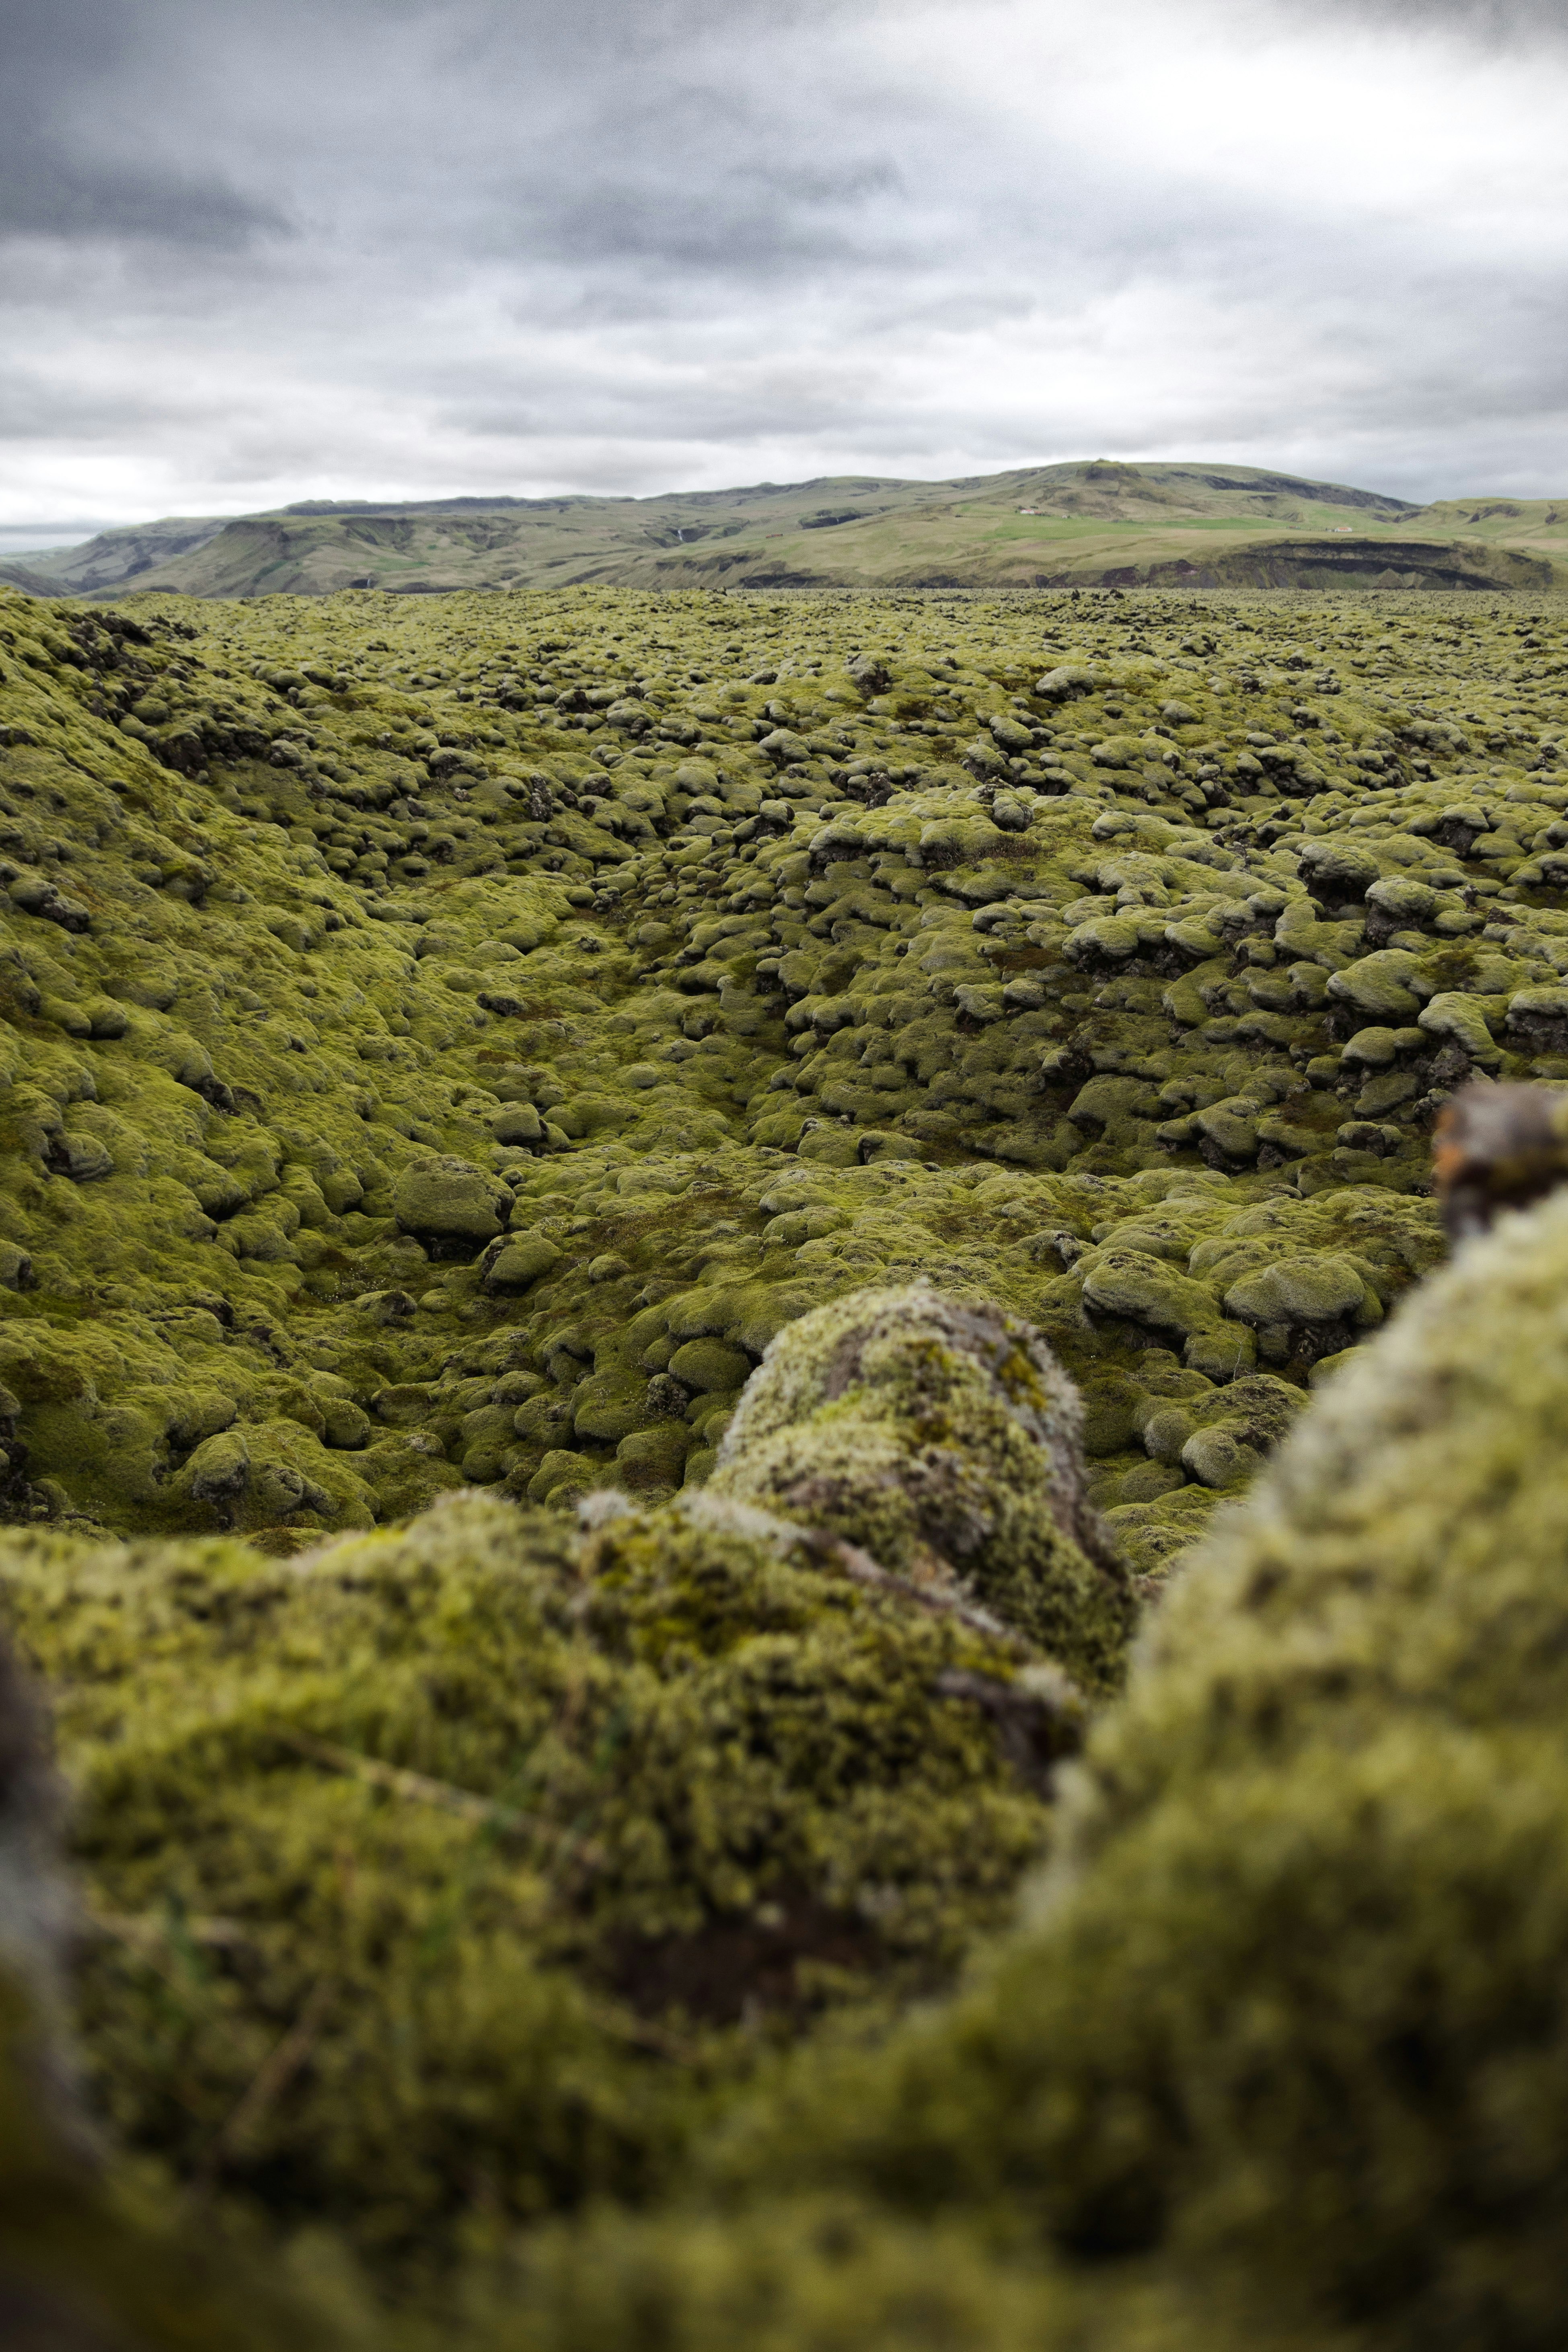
{"points": [[113, 557], [1089, 523]]}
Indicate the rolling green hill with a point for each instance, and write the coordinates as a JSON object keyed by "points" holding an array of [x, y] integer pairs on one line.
{"points": [[114, 557], [1086, 523]]}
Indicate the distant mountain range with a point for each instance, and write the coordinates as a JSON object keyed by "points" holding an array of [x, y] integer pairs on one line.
{"points": [[1092, 522]]}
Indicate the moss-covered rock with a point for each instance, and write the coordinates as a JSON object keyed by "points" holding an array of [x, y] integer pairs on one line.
{"points": [[450, 1201], [940, 1435], [1290, 1997], [520, 1264]]}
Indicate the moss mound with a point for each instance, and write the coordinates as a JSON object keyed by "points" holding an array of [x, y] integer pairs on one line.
{"points": [[943, 1435], [539, 1844]]}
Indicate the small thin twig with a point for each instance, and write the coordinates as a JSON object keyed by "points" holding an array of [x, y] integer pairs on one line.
{"points": [[222, 1935], [399, 1783], [864, 1570], [272, 2077]]}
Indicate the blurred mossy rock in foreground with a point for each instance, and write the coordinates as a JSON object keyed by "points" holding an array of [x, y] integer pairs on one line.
{"points": [[1291, 1997], [85, 2264]]}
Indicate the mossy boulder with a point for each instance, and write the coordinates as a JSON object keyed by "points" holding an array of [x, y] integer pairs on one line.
{"points": [[940, 1435], [450, 1200], [520, 1262], [1290, 1290], [707, 1365], [1128, 1284], [517, 1123], [651, 1462]]}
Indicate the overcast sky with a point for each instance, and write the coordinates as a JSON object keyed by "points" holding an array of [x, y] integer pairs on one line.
{"points": [[259, 250]]}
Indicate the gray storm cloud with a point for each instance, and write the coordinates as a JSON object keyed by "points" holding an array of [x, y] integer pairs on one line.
{"points": [[251, 253], [63, 172]]}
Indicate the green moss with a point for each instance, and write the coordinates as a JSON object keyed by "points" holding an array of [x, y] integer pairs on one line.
{"points": [[85, 2261], [83, 2268], [414, 1084], [836, 2273], [1290, 1996], [942, 1436], [671, 1780], [331, 1002]]}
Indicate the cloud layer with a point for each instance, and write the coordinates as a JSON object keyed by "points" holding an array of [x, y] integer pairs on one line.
{"points": [[366, 247]]}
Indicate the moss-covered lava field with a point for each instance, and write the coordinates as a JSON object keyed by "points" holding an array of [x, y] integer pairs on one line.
{"points": [[447, 1042]]}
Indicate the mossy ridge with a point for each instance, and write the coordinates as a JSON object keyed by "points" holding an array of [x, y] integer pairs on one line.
{"points": [[613, 897], [1087, 523]]}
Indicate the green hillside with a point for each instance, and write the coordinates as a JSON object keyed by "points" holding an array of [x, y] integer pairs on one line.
{"points": [[656, 1249], [1086, 523], [114, 557]]}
